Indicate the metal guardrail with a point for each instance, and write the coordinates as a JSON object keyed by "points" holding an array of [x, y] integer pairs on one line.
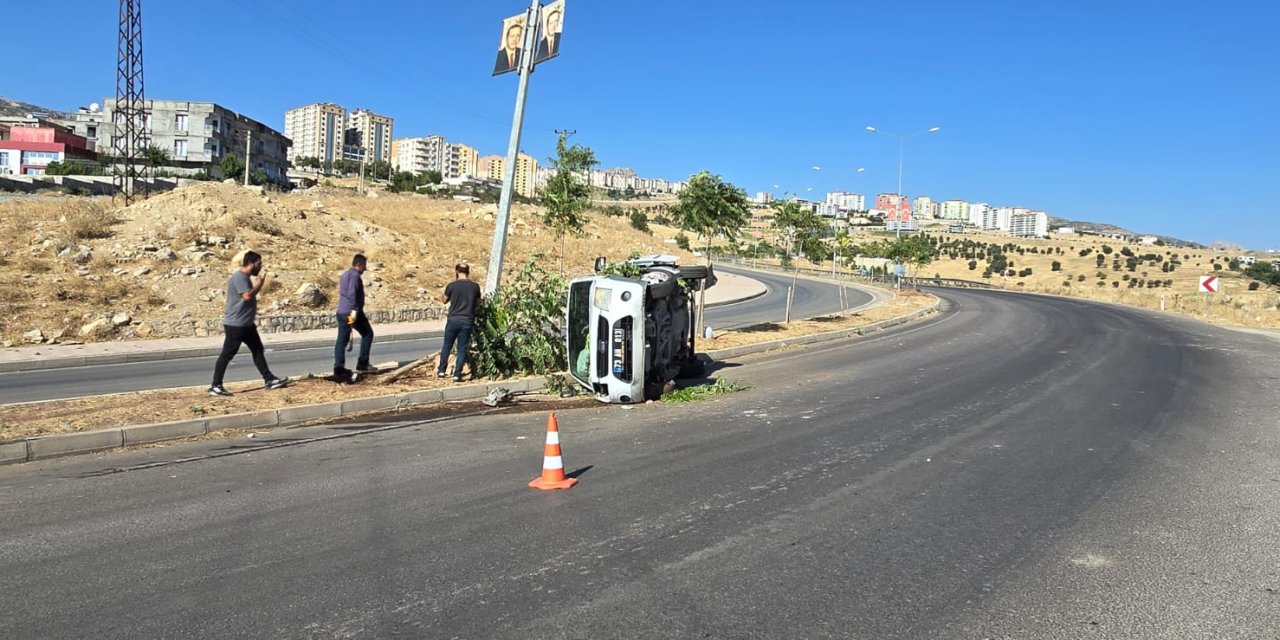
{"points": [[890, 281]]}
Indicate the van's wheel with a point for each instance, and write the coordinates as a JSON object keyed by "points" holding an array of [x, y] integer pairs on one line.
{"points": [[694, 368], [694, 272], [653, 389]]}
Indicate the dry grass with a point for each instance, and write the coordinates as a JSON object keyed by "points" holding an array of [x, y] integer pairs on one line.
{"points": [[88, 219], [1234, 305]]}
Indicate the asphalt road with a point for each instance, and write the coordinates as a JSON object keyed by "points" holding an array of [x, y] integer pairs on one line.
{"points": [[1014, 467], [812, 298]]}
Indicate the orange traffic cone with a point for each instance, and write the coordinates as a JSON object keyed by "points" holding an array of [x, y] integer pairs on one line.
{"points": [[552, 464]]}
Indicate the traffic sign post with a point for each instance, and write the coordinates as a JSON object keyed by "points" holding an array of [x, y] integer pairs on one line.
{"points": [[1208, 285]]}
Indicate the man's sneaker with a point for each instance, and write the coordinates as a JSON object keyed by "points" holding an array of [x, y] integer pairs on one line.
{"points": [[365, 368], [277, 383], [457, 378], [440, 375], [218, 390]]}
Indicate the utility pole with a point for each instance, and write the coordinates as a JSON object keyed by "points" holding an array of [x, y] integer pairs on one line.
{"points": [[363, 156], [248, 149], [494, 277], [129, 120]]}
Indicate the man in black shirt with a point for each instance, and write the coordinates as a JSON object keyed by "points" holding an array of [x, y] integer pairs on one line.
{"points": [[463, 296]]}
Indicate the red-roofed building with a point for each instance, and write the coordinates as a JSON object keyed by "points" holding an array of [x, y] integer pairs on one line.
{"points": [[29, 149]]}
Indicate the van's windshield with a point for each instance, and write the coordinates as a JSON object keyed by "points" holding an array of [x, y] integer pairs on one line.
{"points": [[579, 327]]}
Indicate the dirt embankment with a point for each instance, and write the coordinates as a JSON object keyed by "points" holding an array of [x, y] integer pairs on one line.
{"points": [[76, 269]]}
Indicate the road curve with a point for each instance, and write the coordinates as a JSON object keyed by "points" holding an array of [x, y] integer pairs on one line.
{"points": [[812, 298], [1016, 466]]}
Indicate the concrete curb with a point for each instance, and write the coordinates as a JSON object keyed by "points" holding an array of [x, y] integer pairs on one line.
{"points": [[41, 448]]}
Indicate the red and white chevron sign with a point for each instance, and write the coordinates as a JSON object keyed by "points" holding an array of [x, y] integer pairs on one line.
{"points": [[1208, 284]]}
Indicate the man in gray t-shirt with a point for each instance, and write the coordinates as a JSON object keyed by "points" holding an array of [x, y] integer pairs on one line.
{"points": [[238, 324]]}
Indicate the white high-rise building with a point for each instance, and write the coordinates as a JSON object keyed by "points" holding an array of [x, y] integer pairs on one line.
{"points": [[847, 201], [417, 155], [977, 213], [998, 218], [763, 197], [1029, 224], [317, 131], [955, 210]]}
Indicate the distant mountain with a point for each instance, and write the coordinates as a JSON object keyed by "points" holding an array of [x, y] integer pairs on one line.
{"points": [[1103, 227], [17, 109]]}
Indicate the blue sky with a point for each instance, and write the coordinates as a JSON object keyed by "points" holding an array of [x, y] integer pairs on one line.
{"points": [[1157, 116]]}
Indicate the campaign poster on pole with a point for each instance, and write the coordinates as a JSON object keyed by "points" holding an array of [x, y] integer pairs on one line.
{"points": [[509, 45], [552, 26]]}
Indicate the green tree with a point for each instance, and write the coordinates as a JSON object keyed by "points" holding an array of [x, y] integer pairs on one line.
{"points": [[567, 197], [232, 167], [794, 222], [1263, 272], [710, 206], [915, 250], [156, 156], [430, 176]]}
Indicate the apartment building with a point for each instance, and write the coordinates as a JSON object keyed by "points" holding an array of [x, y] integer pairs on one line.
{"points": [[197, 135], [417, 155], [492, 167], [954, 210], [371, 132], [317, 131], [925, 208], [978, 213], [847, 201], [466, 159], [27, 150], [898, 211], [1029, 224]]}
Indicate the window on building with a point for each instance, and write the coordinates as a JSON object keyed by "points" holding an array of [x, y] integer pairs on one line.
{"points": [[179, 148], [92, 131], [180, 122]]}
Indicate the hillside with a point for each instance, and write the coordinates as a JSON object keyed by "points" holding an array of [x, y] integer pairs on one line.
{"points": [[68, 264], [1103, 227], [18, 109], [1107, 270]]}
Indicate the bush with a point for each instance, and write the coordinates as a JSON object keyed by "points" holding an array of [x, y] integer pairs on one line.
{"points": [[1253, 286], [682, 241], [517, 330], [640, 221], [1057, 266]]}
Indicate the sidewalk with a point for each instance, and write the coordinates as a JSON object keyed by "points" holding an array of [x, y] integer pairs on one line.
{"points": [[730, 288]]}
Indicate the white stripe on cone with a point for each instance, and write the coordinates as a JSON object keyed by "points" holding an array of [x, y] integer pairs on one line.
{"points": [[553, 437], [552, 462]]}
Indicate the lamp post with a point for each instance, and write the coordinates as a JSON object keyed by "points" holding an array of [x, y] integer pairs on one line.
{"points": [[902, 138]]}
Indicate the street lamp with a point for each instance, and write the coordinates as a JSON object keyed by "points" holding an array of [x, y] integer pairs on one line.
{"points": [[901, 143]]}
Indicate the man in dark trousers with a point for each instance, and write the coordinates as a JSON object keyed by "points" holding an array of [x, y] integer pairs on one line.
{"points": [[238, 324], [351, 316], [463, 297]]}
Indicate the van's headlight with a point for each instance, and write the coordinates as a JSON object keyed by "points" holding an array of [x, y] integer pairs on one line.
{"points": [[602, 298]]}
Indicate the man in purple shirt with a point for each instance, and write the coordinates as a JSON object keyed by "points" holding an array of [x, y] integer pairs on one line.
{"points": [[351, 316]]}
